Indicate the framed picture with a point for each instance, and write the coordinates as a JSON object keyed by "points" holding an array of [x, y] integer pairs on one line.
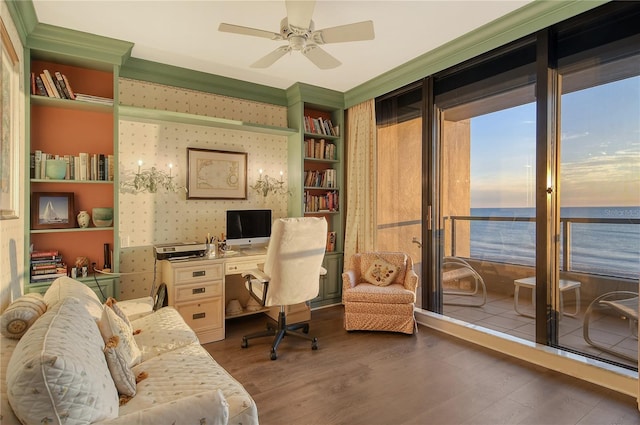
{"points": [[216, 174], [52, 210], [9, 128]]}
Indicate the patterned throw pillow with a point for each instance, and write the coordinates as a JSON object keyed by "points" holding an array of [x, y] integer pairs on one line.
{"points": [[121, 373], [111, 302], [110, 324], [21, 314], [381, 272]]}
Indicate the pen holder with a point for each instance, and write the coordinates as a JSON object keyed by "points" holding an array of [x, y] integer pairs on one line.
{"points": [[212, 250]]}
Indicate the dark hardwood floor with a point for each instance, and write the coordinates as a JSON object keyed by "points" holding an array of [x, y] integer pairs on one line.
{"points": [[387, 378]]}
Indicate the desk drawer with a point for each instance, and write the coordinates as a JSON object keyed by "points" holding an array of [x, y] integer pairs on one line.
{"points": [[202, 315], [198, 273], [241, 266], [198, 291]]}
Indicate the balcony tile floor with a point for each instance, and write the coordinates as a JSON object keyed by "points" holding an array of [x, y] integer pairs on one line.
{"points": [[498, 314]]}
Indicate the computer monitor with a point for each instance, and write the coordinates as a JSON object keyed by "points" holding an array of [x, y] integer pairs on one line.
{"points": [[247, 228]]}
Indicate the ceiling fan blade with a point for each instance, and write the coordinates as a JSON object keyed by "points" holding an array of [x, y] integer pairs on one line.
{"points": [[322, 59], [270, 59], [237, 29], [351, 32], [299, 12]]}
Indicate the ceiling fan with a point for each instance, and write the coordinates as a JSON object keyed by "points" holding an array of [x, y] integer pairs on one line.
{"points": [[298, 29]]}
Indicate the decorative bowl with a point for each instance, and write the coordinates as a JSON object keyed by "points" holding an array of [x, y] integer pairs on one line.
{"points": [[102, 216], [56, 168]]}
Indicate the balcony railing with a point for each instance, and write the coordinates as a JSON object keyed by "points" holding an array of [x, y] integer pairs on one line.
{"points": [[605, 246]]}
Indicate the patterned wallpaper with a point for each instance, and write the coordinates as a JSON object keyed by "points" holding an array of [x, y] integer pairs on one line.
{"points": [[146, 219]]}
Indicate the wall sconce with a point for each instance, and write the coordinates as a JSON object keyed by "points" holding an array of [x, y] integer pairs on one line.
{"points": [[150, 180], [266, 185]]}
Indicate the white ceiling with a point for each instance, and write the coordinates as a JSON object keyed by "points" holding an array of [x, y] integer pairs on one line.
{"points": [[185, 33]]}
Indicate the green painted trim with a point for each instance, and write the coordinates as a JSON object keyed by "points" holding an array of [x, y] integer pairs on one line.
{"points": [[78, 47], [24, 17], [155, 72], [313, 95], [519, 23], [143, 114]]}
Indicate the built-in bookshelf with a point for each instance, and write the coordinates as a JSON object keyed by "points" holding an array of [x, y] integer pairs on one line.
{"points": [[315, 173], [78, 131]]}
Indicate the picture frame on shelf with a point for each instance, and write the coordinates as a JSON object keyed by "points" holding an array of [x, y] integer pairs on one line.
{"points": [[52, 210], [9, 128], [214, 174]]}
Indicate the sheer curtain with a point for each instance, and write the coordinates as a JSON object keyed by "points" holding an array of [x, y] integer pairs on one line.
{"points": [[361, 180]]}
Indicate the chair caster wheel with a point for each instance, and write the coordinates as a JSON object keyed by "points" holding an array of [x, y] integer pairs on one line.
{"points": [[273, 355], [305, 329], [314, 344], [245, 343]]}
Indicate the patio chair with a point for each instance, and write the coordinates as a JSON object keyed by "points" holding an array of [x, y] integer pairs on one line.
{"points": [[625, 305], [454, 270]]}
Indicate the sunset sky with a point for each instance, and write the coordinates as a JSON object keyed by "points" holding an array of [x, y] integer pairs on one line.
{"points": [[600, 160]]}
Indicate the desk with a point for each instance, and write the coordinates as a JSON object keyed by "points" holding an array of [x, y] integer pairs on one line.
{"points": [[200, 289], [530, 282]]}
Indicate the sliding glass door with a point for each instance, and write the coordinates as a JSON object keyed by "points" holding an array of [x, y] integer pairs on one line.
{"points": [[487, 143], [599, 196]]}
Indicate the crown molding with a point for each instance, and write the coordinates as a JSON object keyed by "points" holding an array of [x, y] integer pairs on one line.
{"points": [[80, 46], [24, 17], [301, 92]]}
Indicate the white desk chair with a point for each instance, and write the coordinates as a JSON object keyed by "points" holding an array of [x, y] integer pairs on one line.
{"points": [[291, 274]]}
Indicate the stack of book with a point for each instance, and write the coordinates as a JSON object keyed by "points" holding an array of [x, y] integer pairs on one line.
{"points": [[57, 85], [47, 265]]}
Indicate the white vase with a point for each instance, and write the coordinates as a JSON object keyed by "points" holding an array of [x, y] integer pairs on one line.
{"points": [[83, 219]]}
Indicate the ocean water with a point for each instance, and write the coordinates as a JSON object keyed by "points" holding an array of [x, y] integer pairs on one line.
{"points": [[611, 249]]}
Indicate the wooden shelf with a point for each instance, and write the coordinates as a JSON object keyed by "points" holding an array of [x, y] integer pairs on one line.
{"points": [[73, 229], [321, 136], [77, 105], [133, 113], [72, 181], [320, 160], [246, 313]]}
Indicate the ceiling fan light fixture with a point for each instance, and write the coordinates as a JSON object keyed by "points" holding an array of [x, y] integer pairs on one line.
{"points": [[297, 42], [305, 39]]}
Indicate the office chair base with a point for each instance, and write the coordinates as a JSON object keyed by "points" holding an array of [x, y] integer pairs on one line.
{"points": [[280, 332]]}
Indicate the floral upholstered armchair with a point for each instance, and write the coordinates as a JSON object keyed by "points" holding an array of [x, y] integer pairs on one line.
{"points": [[379, 292]]}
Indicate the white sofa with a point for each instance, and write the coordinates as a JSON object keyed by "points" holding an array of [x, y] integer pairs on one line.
{"points": [[59, 373]]}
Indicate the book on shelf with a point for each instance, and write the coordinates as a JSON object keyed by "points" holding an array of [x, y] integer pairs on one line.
{"points": [[63, 86], [46, 260], [49, 83], [72, 95], [50, 276], [93, 99], [37, 85], [52, 253], [55, 270]]}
